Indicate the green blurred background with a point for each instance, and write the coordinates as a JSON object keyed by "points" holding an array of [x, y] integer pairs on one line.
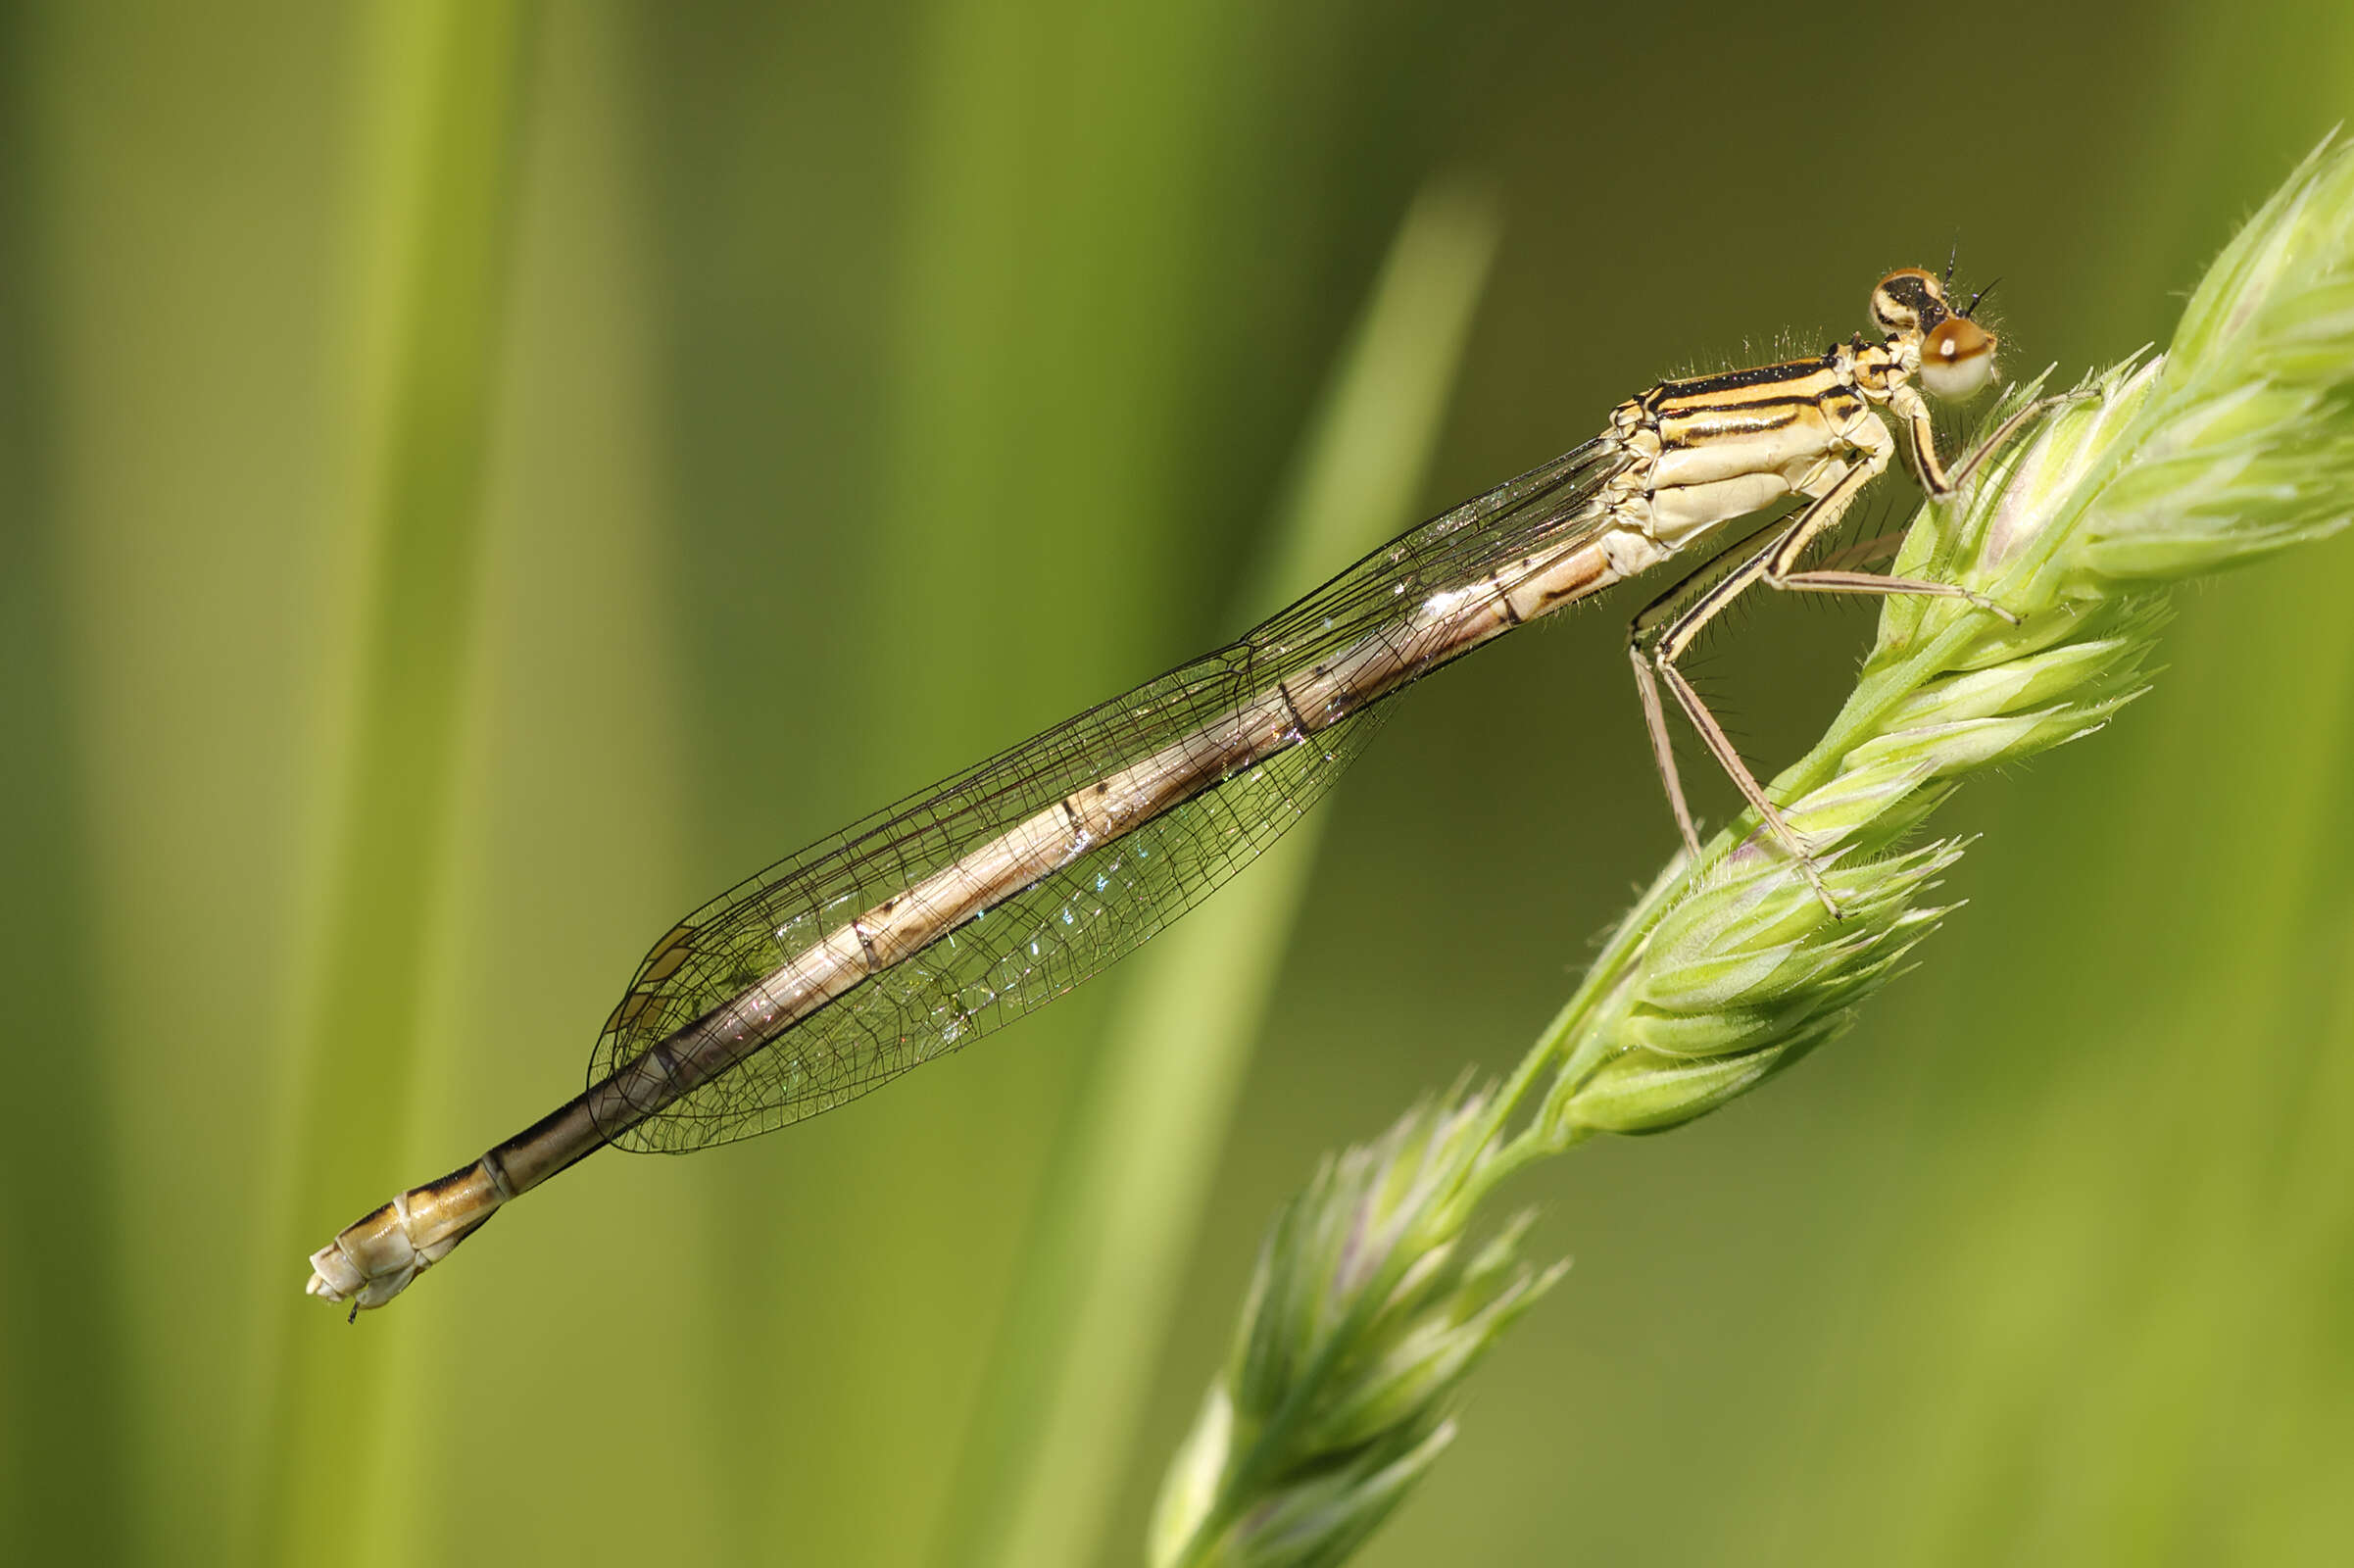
{"points": [[475, 479]]}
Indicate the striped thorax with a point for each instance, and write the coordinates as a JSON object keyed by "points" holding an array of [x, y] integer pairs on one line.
{"points": [[1710, 448]]}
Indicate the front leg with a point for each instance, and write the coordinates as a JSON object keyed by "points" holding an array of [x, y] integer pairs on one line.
{"points": [[2011, 426], [1920, 439]]}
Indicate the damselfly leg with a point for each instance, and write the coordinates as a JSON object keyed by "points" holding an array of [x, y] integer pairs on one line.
{"points": [[1666, 628]]}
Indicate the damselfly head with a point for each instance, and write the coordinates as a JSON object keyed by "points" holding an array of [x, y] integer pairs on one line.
{"points": [[1957, 355]]}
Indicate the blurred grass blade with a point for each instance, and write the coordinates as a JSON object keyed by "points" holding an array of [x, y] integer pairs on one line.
{"points": [[449, 79], [1124, 1191], [62, 1383]]}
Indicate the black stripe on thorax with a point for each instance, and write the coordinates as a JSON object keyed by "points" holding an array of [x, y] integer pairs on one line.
{"points": [[1731, 408], [1757, 375]]}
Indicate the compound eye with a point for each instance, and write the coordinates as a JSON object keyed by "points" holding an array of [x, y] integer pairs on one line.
{"points": [[1957, 359], [1905, 299]]}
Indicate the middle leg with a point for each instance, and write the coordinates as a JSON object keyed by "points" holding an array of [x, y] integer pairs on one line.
{"points": [[1667, 627]]}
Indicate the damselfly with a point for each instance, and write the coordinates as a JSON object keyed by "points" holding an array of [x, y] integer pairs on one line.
{"points": [[936, 920]]}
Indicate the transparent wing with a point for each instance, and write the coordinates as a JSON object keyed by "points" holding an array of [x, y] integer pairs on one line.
{"points": [[1045, 939]]}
